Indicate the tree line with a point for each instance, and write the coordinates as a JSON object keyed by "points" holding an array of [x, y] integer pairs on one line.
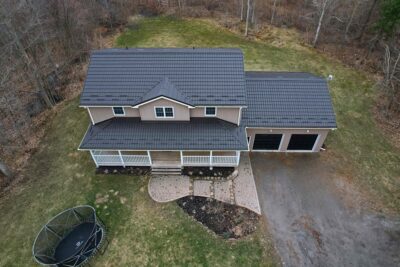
{"points": [[41, 40]]}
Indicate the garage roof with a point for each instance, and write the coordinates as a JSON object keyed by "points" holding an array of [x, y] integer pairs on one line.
{"points": [[132, 134], [201, 76], [288, 100]]}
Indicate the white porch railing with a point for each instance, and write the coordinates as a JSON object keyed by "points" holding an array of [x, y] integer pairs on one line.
{"points": [[109, 160], [211, 160], [116, 158], [136, 160], [224, 160]]}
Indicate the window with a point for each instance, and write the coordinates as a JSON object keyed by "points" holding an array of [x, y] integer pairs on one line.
{"points": [[159, 112], [164, 112], [210, 111], [119, 111], [169, 112]]}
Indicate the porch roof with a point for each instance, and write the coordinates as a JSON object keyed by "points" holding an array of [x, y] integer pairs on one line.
{"points": [[196, 134]]}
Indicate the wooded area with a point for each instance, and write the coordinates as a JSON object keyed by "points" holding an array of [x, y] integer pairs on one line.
{"points": [[42, 43]]}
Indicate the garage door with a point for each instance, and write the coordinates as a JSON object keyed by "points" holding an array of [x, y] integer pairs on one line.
{"points": [[302, 141], [267, 141]]}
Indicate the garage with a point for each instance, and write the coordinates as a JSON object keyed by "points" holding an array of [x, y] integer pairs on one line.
{"points": [[267, 141], [302, 142]]}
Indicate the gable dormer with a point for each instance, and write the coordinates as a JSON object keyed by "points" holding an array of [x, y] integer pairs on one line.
{"points": [[164, 102]]}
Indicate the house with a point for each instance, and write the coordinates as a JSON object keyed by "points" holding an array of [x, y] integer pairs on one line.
{"points": [[197, 107]]}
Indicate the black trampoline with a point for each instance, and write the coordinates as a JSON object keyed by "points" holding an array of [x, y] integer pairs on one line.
{"points": [[69, 239]]}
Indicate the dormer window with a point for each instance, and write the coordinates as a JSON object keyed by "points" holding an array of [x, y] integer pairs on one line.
{"points": [[164, 112], [119, 111], [210, 111]]}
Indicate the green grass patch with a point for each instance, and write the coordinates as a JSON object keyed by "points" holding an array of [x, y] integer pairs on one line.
{"points": [[359, 148], [141, 231]]}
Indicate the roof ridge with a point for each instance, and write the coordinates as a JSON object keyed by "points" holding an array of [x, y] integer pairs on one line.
{"points": [[121, 77], [162, 91], [282, 75], [285, 79], [170, 49], [96, 128]]}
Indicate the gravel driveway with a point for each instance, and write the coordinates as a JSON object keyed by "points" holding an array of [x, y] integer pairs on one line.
{"points": [[309, 220]]}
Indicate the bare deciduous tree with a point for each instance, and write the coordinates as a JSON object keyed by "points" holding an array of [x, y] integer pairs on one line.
{"points": [[322, 9], [273, 11], [349, 23], [391, 81], [247, 18], [242, 10], [367, 20]]}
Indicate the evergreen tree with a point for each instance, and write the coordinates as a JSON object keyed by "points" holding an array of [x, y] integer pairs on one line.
{"points": [[389, 17]]}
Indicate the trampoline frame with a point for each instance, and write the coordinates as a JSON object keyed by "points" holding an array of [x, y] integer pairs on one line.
{"points": [[81, 257]]}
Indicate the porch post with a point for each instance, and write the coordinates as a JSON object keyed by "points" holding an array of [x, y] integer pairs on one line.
{"points": [[94, 158], [237, 157], [148, 154], [181, 157], [211, 161], [121, 158]]}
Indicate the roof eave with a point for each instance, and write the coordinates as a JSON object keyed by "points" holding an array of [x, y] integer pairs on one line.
{"points": [[162, 97]]}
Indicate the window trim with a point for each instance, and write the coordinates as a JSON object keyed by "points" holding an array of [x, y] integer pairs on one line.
{"points": [[210, 115], [118, 115], [164, 113]]}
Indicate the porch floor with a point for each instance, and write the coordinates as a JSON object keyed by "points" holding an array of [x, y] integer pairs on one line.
{"points": [[165, 159], [240, 191]]}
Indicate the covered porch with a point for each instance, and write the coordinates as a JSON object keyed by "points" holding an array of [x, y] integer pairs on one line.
{"points": [[165, 158]]}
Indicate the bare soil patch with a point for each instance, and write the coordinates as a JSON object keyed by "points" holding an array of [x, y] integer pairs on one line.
{"points": [[206, 172], [121, 170], [228, 221]]}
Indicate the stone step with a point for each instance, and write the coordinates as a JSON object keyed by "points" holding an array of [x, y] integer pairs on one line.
{"points": [[166, 169], [212, 190], [232, 192], [191, 186], [165, 173]]}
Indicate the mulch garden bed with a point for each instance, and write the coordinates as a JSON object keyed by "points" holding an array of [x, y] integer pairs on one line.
{"points": [[206, 172], [122, 170], [228, 221]]}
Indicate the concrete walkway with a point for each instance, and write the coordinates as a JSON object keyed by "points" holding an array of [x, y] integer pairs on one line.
{"points": [[240, 191]]}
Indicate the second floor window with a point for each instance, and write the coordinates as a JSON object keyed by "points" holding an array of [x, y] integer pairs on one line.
{"points": [[210, 111], [164, 112], [118, 111]]}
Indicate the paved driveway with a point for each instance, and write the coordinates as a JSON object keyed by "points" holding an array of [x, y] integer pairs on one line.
{"points": [[309, 220]]}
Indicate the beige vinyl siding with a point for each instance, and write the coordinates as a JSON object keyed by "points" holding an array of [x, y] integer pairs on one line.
{"points": [[227, 114], [251, 132], [100, 114], [181, 112]]}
